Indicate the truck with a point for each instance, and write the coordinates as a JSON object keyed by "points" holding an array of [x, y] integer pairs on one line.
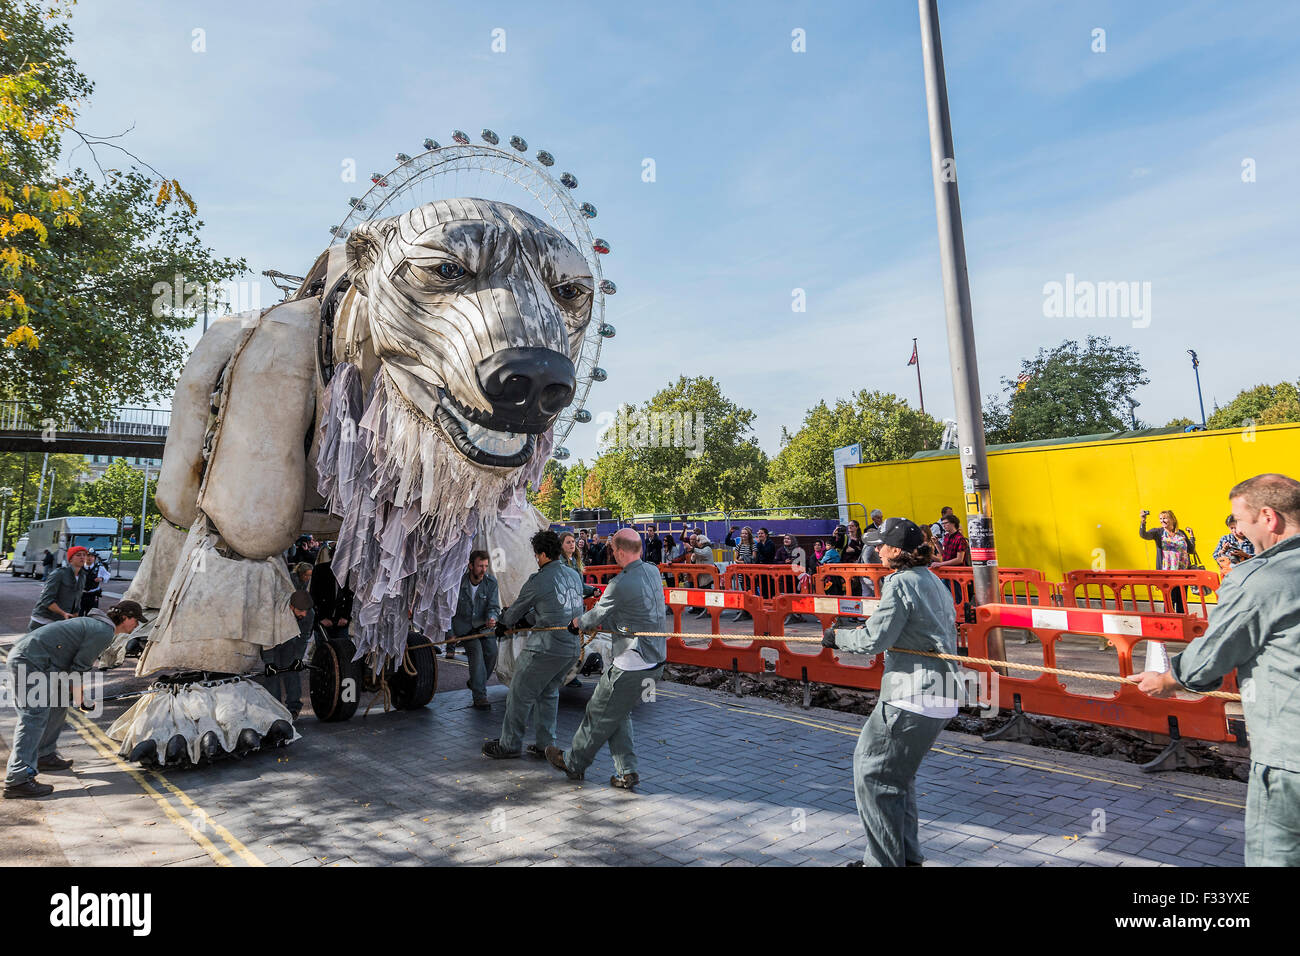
{"points": [[59, 534]]}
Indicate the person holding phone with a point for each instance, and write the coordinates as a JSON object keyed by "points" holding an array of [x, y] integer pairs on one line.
{"points": [[1174, 550]]}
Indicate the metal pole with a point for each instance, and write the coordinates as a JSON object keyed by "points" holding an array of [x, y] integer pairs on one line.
{"points": [[144, 504], [961, 332], [1196, 367], [40, 489], [919, 392], [49, 501]]}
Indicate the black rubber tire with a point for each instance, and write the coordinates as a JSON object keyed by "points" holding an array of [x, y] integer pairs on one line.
{"points": [[333, 670], [412, 692]]}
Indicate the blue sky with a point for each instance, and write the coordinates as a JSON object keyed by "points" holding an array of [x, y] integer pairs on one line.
{"points": [[777, 170]]}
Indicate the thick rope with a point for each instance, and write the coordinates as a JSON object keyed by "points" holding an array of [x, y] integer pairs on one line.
{"points": [[1042, 668]]}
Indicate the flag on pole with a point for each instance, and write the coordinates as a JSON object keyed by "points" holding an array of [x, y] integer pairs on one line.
{"points": [[913, 360], [1021, 381]]}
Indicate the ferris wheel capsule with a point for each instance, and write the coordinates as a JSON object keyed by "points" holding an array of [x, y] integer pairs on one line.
{"points": [[606, 330], [598, 374], [402, 158], [608, 287], [570, 180], [582, 416], [460, 137], [431, 143], [588, 210], [490, 137], [560, 453], [379, 179], [519, 143], [600, 246], [545, 158], [357, 204]]}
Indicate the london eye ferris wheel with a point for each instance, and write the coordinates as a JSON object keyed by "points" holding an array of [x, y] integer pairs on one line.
{"points": [[491, 170]]}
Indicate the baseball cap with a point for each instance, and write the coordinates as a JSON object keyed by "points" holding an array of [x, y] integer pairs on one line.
{"points": [[130, 609], [77, 549], [897, 533]]}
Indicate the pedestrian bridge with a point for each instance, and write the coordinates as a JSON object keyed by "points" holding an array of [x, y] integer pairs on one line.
{"points": [[130, 432]]}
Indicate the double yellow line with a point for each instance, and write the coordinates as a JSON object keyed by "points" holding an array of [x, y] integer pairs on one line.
{"points": [[100, 742]]}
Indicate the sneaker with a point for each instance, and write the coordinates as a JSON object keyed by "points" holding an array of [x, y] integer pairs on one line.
{"points": [[625, 781], [482, 704], [494, 750], [555, 756], [53, 762], [27, 790], [535, 751], [574, 683]]}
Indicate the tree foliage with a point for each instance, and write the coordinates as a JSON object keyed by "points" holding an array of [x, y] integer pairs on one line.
{"points": [[21, 473], [687, 449], [884, 424], [82, 321], [575, 479], [1066, 391], [1261, 405], [117, 493]]}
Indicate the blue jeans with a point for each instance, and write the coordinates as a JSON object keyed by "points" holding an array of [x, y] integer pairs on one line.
{"points": [[482, 655], [36, 735]]}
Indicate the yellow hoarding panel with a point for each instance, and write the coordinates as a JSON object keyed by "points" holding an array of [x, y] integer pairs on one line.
{"points": [[1064, 507]]}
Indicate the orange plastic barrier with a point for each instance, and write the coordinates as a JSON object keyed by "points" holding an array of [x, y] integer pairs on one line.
{"points": [[1166, 587], [690, 575], [600, 573], [1016, 586], [836, 580], [1204, 718], [746, 660]]}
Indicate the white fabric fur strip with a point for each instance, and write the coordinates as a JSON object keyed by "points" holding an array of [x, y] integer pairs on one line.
{"points": [[410, 505]]}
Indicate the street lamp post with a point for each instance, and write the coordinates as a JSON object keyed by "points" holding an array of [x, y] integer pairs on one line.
{"points": [[1133, 405], [5, 493], [961, 332], [1196, 367]]}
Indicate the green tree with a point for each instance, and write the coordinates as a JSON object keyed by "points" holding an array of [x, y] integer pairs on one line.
{"points": [[548, 487], [1066, 391], [687, 449], [1180, 423], [549, 498], [1261, 405], [575, 478], [21, 472], [884, 424], [117, 493], [89, 312]]}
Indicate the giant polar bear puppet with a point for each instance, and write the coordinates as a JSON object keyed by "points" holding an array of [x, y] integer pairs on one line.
{"points": [[406, 394]]}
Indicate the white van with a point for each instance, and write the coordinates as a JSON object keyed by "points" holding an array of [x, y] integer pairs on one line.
{"points": [[59, 534]]}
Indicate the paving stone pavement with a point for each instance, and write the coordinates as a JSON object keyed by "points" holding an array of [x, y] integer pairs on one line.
{"points": [[725, 781]]}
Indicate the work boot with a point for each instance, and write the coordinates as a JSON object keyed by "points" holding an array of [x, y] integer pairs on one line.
{"points": [[494, 750], [53, 763], [27, 790], [555, 757], [625, 781]]}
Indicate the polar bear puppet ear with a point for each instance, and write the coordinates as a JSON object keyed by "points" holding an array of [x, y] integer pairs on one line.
{"points": [[365, 246]]}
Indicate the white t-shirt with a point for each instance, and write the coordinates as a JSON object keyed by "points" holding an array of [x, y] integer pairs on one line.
{"points": [[630, 660], [927, 705]]}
